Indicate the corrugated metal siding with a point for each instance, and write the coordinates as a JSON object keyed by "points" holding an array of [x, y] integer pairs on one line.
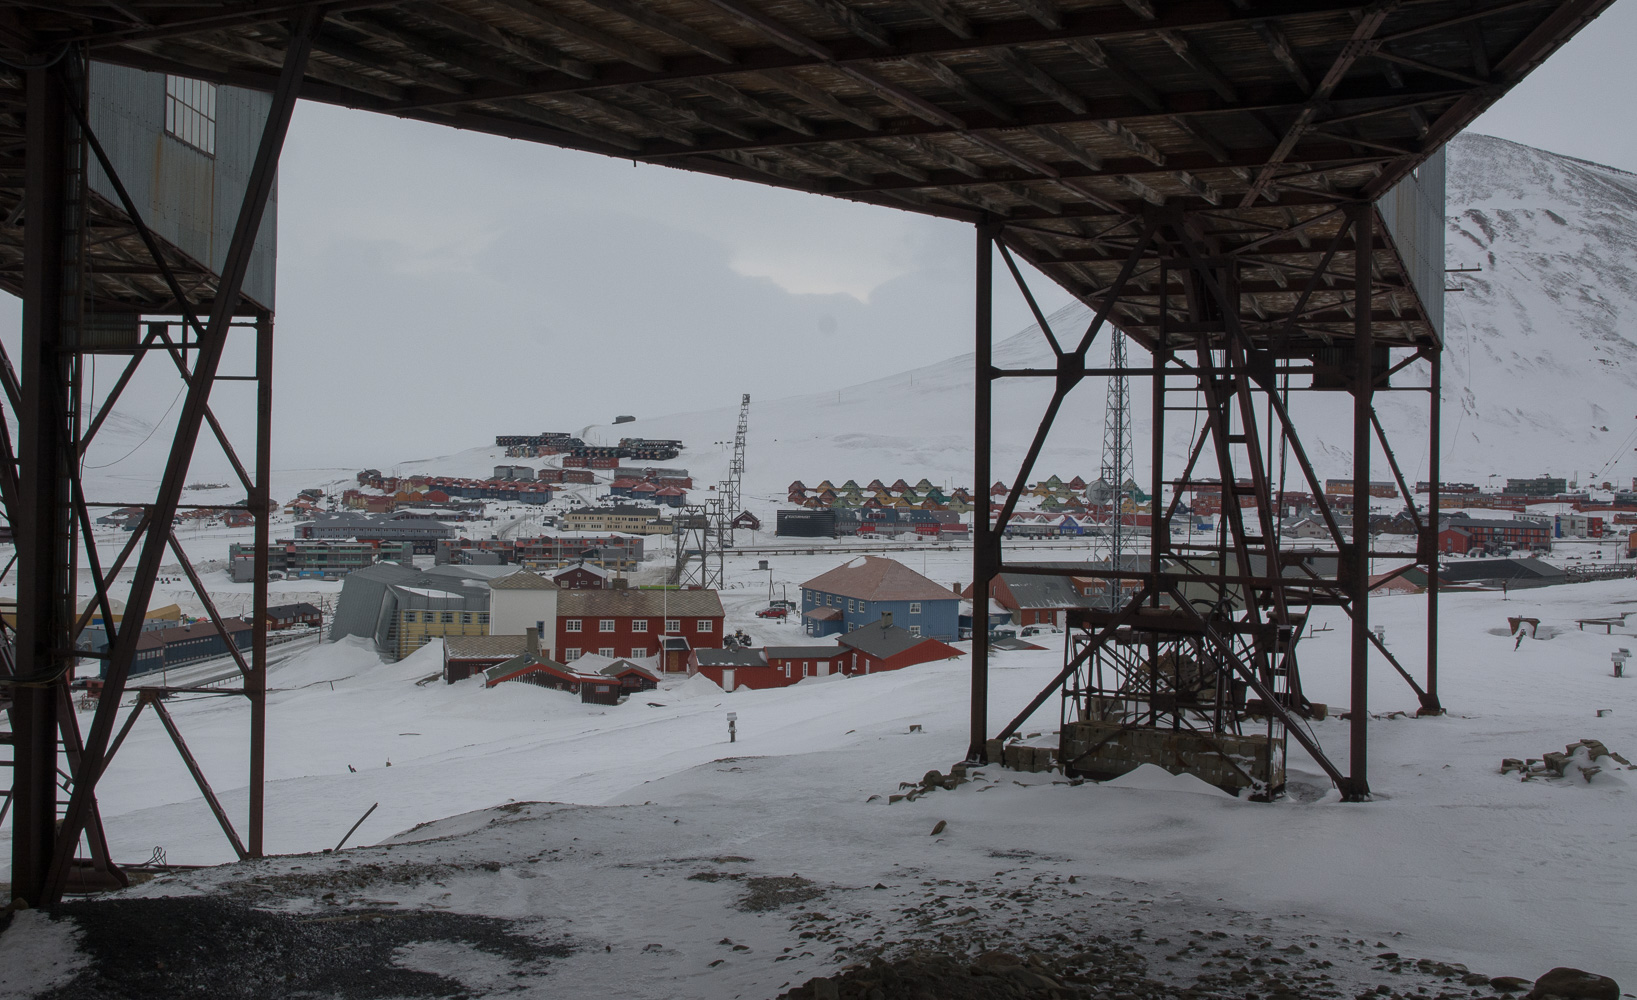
{"points": [[188, 199], [1413, 214]]}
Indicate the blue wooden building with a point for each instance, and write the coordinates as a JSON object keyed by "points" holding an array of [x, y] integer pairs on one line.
{"points": [[861, 591]]}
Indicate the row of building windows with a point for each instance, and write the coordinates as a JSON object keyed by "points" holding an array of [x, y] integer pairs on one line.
{"points": [[447, 617], [638, 625], [853, 605], [574, 653]]}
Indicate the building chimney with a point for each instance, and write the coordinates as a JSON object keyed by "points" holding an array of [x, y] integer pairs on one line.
{"points": [[886, 619], [956, 587], [621, 583], [531, 640]]}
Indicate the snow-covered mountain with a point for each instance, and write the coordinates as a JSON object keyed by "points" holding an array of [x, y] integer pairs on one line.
{"points": [[1540, 374]]}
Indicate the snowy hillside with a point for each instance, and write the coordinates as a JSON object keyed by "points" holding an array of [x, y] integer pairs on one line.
{"points": [[1543, 344], [1540, 374]]}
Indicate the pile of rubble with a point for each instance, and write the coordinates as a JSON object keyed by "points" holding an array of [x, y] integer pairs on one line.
{"points": [[1585, 757], [909, 791], [993, 975]]}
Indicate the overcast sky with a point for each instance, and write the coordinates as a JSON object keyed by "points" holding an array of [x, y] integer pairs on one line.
{"points": [[438, 287]]}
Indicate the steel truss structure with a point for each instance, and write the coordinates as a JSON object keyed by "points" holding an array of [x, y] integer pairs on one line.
{"points": [[1199, 172], [733, 487], [1163, 690], [46, 501], [700, 534], [1233, 608]]}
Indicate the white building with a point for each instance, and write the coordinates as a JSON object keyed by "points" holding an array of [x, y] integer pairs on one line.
{"points": [[521, 601]]}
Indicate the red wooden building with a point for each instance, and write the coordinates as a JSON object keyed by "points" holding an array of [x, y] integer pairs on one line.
{"points": [[581, 577], [1034, 600], [875, 648], [595, 689], [1462, 535], [632, 623], [291, 615], [868, 650]]}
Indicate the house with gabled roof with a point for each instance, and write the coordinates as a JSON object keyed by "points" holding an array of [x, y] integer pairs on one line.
{"points": [[862, 589], [632, 676], [881, 645], [1034, 600]]}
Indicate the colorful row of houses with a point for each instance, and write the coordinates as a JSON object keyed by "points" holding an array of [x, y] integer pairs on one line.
{"points": [[879, 496]]}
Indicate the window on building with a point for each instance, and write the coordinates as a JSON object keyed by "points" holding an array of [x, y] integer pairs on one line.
{"points": [[571, 654], [849, 604], [915, 607], [411, 616], [605, 625], [637, 651], [639, 624], [673, 625], [607, 651], [190, 112], [915, 630], [571, 624], [704, 625], [466, 618], [447, 617]]}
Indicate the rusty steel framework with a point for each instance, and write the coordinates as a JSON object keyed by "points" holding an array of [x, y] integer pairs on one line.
{"points": [[1199, 172], [1237, 604]]}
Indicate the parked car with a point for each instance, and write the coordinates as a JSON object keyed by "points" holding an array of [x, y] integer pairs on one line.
{"points": [[1041, 630], [773, 612]]}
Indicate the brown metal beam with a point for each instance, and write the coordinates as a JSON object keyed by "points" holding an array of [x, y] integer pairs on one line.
{"points": [[200, 779]]}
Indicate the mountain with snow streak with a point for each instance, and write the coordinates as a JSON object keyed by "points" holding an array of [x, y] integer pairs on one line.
{"points": [[1540, 374], [1541, 368]]}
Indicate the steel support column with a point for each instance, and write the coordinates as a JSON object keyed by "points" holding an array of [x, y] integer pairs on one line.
{"points": [[1357, 785], [42, 512], [985, 553], [208, 354], [1429, 545], [261, 507]]}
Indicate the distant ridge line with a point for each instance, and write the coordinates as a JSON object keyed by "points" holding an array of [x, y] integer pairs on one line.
{"points": [[1560, 156]]}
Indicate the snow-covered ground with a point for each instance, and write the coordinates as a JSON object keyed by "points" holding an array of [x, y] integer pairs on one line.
{"points": [[1452, 861]]}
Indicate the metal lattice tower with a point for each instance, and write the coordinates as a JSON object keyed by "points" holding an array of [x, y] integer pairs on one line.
{"points": [[1116, 470], [733, 486], [698, 534]]}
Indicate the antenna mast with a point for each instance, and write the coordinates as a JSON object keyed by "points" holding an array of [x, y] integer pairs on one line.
{"points": [[1116, 456]]}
